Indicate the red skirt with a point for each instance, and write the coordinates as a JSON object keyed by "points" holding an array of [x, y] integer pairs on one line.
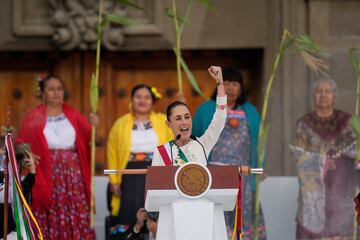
{"points": [[68, 217]]}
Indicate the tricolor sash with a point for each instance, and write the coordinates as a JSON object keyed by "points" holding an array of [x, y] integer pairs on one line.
{"points": [[171, 158]]}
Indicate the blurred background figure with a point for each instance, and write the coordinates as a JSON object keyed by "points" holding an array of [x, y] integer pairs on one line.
{"points": [[60, 136], [144, 228], [132, 141], [187, 148], [324, 151], [357, 208], [237, 144], [26, 162]]}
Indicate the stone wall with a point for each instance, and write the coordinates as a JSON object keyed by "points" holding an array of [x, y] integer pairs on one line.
{"points": [[25, 25]]}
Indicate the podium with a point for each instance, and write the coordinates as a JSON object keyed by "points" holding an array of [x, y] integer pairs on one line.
{"points": [[186, 217]]}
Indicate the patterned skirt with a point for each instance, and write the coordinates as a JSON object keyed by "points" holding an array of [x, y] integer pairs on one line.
{"points": [[68, 217]]}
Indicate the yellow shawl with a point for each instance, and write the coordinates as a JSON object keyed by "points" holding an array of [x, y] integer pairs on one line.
{"points": [[118, 146]]}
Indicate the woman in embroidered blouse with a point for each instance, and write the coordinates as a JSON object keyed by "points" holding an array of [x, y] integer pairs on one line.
{"points": [[323, 147], [60, 136], [237, 144], [185, 147], [131, 143]]}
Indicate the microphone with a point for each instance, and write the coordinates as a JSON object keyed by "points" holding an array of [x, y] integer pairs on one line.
{"points": [[175, 140], [195, 139], [178, 137]]}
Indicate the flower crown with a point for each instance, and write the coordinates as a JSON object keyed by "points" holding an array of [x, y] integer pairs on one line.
{"points": [[155, 92], [39, 78]]}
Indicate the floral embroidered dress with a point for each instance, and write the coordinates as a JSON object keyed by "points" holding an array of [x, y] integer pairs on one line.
{"points": [[61, 194], [234, 148], [324, 153], [68, 217]]}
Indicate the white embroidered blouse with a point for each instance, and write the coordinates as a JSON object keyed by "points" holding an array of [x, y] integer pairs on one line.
{"points": [[193, 150]]}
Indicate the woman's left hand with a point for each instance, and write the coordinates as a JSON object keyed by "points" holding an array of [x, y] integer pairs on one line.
{"points": [[94, 119], [216, 73], [30, 161]]}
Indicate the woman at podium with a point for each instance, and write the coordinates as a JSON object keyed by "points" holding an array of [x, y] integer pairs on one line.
{"points": [[185, 147]]}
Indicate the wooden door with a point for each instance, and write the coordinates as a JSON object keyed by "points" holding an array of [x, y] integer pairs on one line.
{"points": [[120, 72]]}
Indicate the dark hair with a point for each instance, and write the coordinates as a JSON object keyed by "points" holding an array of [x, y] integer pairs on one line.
{"points": [[20, 151], [172, 106], [43, 82], [153, 216], [233, 74], [141, 86]]}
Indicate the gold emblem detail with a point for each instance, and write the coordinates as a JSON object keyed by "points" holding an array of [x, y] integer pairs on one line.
{"points": [[193, 180]]}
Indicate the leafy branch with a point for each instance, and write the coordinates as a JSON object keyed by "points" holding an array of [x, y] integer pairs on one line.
{"points": [[103, 19], [179, 24], [310, 53], [355, 119]]}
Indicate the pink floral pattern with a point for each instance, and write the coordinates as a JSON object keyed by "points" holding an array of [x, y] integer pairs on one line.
{"points": [[68, 217]]}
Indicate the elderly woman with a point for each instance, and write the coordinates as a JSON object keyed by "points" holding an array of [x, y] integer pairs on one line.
{"points": [[186, 148], [323, 147]]}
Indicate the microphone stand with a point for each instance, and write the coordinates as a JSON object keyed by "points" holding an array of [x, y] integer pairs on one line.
{"points": [[203, 148]]}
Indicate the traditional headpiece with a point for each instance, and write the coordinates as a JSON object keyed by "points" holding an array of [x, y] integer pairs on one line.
{"points": [[155, 92]]}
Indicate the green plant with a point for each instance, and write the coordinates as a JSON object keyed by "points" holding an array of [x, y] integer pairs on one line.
{"points": [[310, 53], [103, 18], [179, 23], [355, 119]]}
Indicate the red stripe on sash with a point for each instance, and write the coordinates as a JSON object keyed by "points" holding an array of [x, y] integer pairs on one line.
{"points": [[164, 155], [239, 210]]}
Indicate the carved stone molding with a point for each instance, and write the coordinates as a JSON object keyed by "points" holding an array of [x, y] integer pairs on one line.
{"points": [[75, 23], [29, 23]]}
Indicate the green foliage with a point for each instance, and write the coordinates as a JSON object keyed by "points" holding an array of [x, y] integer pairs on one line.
{"points": [[355, 120], [207, 3], [130, 4], [179, 24], [190, 76], [263, 133], [355, 60], [94, 93], [125, 21], [310, 53], [354, 124], [94, 82], [170, 14]]}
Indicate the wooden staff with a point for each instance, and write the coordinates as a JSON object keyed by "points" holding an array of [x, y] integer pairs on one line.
{"points": [[6, 177], [242, 170], [6, 198]]}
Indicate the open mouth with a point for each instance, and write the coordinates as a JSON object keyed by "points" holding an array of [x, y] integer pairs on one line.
{"points": [[184, 129]]}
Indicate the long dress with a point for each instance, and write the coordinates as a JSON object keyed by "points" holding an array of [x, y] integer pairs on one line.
{"points": [[237, 145], [144, 141], [324, 153], [234, 148], [61, 199], [130, 145]]}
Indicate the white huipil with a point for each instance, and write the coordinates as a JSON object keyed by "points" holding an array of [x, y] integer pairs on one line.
{"points": [[193, 150], [59, 133]]}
